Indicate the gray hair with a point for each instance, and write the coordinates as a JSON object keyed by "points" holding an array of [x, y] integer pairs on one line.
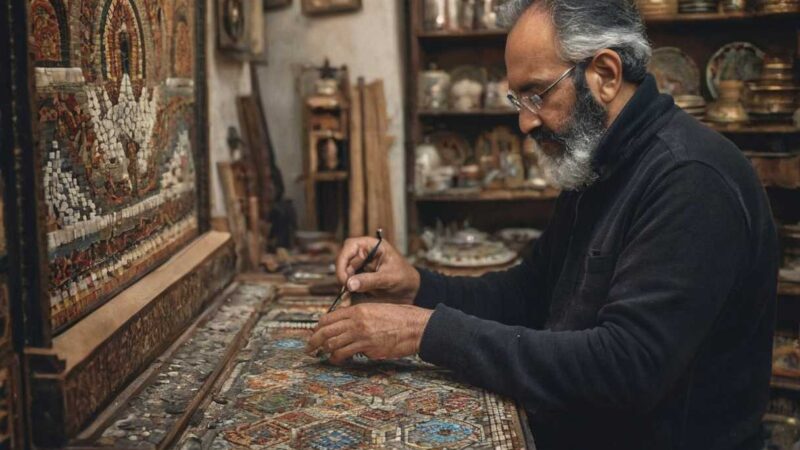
{"points": [[585, 27]]}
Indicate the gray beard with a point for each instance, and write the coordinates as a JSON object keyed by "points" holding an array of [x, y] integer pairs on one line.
{"points": [[572, 169]]}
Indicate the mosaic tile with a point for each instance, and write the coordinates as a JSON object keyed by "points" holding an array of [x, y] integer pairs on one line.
{"points": [[149, 415], [307, 403], [115, 105]]}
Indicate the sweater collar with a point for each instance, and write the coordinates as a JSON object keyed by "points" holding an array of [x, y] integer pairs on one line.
{"points": [[633, 127]]}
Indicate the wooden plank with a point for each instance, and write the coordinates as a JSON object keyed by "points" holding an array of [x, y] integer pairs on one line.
{"points": [[258, 151], [253, 233], [236, 221], [371, 155], [357, 184], [380, 214]]}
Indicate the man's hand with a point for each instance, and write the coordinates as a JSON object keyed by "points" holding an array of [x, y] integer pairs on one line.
{"points": [[388, 278], [380, 331]]}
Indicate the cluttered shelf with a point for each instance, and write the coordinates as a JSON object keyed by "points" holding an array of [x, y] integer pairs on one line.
{"points": [[719, 17], [439, 113], [768, 128], [462, 35], [489, 195]]}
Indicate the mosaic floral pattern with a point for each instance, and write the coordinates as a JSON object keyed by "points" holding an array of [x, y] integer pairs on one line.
{"points": [[115, 98], [277, 397]]}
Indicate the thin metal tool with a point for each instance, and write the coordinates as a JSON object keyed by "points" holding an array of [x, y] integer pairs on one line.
{"points": [[361, 268]]}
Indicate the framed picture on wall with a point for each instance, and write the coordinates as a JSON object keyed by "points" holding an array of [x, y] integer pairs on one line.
{"points": [[276, 4], [240, 28], [322, 7], [231, 25]]}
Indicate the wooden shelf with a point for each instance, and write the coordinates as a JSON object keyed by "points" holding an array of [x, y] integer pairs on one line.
{"points": [[490, 195], [334, 175], [756, 129], [718, 17], [462, 35], [429, 113], [788, 289], [785, 383]]}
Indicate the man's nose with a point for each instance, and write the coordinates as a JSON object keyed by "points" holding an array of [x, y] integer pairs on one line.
{"points": [[528, 121]]}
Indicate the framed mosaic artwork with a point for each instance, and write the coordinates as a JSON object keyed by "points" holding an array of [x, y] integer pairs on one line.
{"points": [[120, 106]]}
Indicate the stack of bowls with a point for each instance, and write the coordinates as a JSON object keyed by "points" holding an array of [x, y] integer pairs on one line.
{"points": [[650, 8], [697, 6], [774, 96], [778, 6], [695, 105]]}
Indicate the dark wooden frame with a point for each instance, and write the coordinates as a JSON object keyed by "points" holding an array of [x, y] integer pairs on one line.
{"points": [[310, 9]]}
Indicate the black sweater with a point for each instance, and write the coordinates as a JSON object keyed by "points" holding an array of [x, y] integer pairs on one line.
{"points": [[644, 319]]}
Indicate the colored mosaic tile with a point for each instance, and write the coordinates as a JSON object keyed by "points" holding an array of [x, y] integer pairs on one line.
{"points": [[149, 415], [115, 106], [334, 435], [371, 404]]}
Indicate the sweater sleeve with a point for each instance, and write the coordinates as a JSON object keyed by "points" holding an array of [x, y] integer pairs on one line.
{"points": [[515, 297], [679, 264]]}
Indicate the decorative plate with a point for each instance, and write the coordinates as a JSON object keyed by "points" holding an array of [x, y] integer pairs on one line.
{"points": [[519, 235], [486, 254], [676, 73], [734, 61]]}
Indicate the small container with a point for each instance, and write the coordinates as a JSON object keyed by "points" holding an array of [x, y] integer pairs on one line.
{"points": [[728, 109]]}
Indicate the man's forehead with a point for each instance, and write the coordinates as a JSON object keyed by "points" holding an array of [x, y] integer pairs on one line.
{"points": [[531, 51]]}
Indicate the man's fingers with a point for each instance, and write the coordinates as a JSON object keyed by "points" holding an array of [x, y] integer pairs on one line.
{"points": [[339, 356], [369, 281], [333, 317], [350, 250], [337, 342], [325, 333]]}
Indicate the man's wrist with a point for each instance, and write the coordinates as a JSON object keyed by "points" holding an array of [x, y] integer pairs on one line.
{"points": [[424, 316]]}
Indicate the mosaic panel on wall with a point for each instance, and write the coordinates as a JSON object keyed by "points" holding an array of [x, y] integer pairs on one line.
{"points": [[115, 98]]}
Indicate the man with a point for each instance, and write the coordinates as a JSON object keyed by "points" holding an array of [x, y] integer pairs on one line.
{"points": [[644, 319]]}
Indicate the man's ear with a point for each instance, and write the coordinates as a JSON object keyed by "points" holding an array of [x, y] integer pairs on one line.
{"points": [[604, 75]]}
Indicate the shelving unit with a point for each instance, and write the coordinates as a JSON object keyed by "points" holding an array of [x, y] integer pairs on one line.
{"points": [[488, 210], [699, 35]]}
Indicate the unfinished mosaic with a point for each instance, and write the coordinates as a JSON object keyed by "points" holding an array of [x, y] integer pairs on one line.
{"points": [[149, 416], [116, 111], [277, 397]]}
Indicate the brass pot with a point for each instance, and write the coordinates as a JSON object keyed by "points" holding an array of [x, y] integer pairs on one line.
{"points": [[728, 108]]}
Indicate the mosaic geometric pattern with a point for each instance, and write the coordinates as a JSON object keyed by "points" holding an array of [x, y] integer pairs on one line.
{"points": [[116, 109], [278, 397]]}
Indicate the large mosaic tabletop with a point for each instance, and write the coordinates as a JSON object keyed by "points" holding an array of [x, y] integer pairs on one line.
{"points": [[278, 397]]}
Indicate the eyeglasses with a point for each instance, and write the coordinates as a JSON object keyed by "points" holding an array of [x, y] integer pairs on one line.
{"points": [[533, 103]]}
